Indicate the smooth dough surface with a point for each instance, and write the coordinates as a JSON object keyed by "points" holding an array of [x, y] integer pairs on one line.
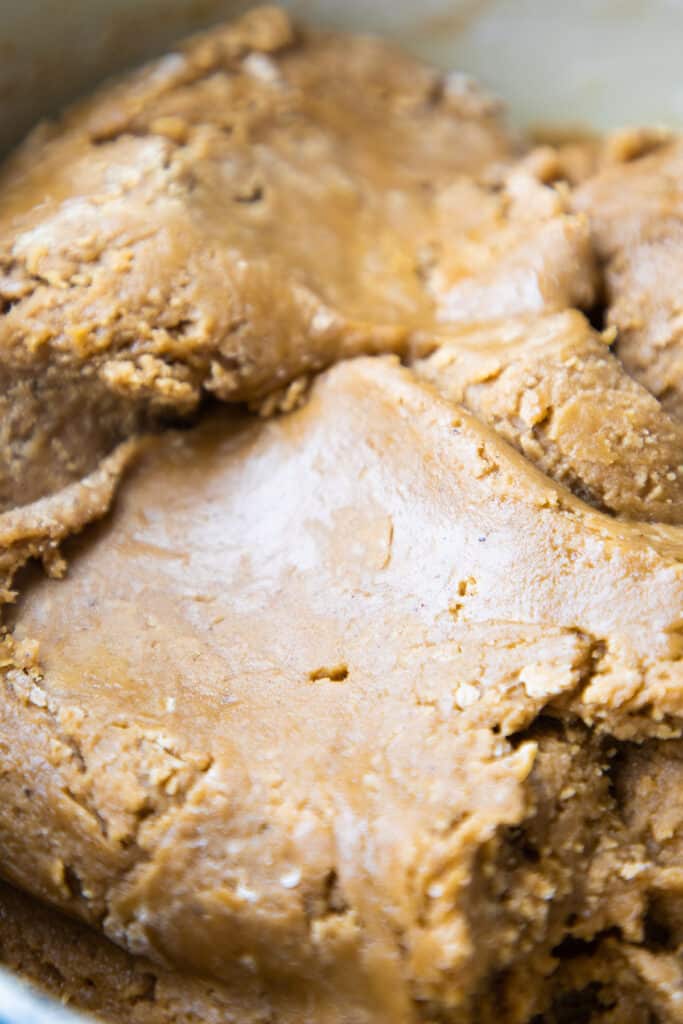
{"points": [[284, 730]]}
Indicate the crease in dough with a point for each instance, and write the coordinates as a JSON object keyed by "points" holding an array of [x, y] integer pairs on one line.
{"points": [[634, 207], [553, 389]]}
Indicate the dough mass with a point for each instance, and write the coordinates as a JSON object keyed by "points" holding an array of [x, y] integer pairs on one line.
{"points": [[367, 708]]}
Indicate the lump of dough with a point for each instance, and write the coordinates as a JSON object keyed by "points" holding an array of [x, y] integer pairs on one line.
{"points": [[551, 386], [234, 217], [392, 666], [634, 207]]}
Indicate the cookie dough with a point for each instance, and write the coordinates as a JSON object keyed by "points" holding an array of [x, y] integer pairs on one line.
{"points": [[553, 389], [369, 712], [283, 731], [635, 211], [87, 973], [241, 213]]}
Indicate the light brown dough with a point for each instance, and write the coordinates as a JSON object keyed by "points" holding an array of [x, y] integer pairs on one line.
{"points": [[635, 214], [336, 707], [357, 714], [242, 213], [553, 389]]}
